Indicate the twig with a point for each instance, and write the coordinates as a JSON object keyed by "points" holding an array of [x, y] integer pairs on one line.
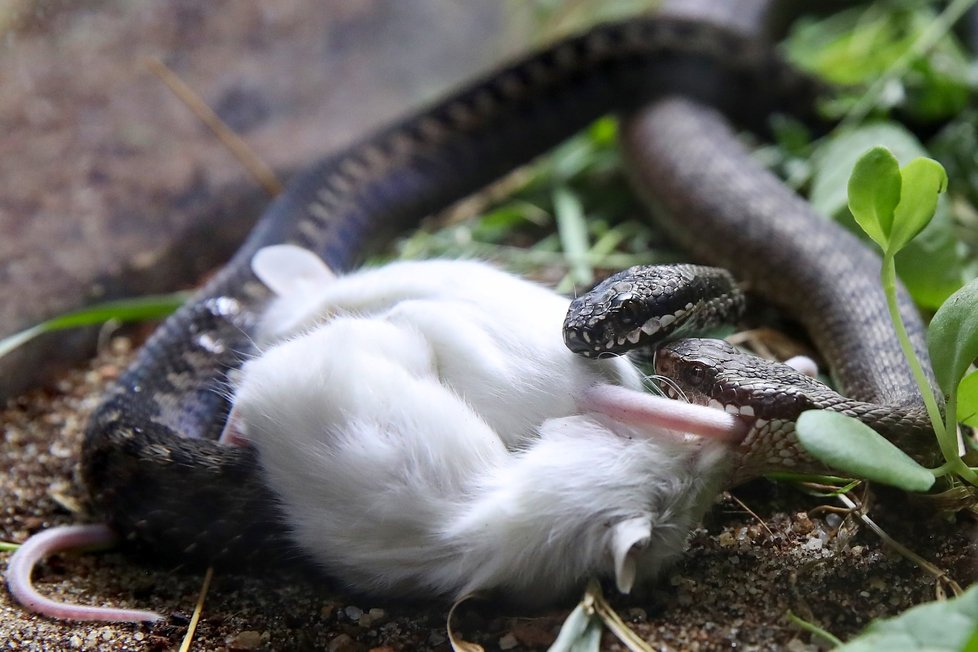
{"points": [[198, 609], [254, 165], [937, 573], [594, 599], [747, 509]]}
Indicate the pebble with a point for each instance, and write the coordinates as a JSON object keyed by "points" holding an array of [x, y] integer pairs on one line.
{"points": [[726, 539], [508, 642], [327, 609], [535, 633], [342, 643], [797, 645], [246, 640]]}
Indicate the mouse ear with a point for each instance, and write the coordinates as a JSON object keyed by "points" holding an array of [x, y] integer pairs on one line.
{"points": [[628, 539], [234, 433], [288, 269]]}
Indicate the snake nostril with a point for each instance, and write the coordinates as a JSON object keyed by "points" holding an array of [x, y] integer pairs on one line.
{"points": [[601, 332], [574, 341]]}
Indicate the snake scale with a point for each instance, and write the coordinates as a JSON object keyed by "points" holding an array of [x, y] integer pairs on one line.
{"points": [[150, 460]]}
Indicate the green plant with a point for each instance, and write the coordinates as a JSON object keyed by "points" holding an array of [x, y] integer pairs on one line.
{"points": [[948, 626], [893, 205]]}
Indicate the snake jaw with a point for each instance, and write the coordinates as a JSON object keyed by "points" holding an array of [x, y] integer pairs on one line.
{"points": [[596, 341], [743, 413], [767, 396], [763, 445], [613, 323]]}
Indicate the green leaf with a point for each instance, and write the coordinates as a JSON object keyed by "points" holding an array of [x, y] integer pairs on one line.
{"points": [[848, 445], [968, 400], [874, 192], [946, 626], [834, 159], [972, 643], [931, 266], [952, 337], [581, 632], [895, 42], [924, 180], [138, 309], [850, 47]]}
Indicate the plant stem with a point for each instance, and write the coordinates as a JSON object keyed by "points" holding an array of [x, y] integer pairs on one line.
{"points": [[812, 628], [945, 432]]}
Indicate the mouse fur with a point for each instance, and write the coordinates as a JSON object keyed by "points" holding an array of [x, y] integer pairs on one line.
{"points": [[424, 439]]}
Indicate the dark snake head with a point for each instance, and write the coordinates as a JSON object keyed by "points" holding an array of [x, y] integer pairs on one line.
{"points": [[769, 396], [647, 304], [717, 374]]}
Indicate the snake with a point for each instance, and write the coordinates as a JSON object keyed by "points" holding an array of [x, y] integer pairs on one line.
{"points": [[660, 307], [150, 460]]}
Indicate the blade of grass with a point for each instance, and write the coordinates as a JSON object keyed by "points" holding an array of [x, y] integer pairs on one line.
{"points": [[572, 228], [613, 621], [129, 310]]}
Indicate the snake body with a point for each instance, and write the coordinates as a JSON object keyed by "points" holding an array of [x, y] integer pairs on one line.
{"points": [[659, 307], [149, 458], [783, 250]]}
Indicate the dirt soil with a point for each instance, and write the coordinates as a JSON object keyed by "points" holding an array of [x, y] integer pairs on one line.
{"points": [[731, 591]]}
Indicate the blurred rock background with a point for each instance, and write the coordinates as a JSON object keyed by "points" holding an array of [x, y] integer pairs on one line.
{"points": [[110, 187]]}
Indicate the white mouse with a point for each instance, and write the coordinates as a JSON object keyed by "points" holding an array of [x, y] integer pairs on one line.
{"points": [[420, 424], [497, 338], [427, 432], [396, 485]]}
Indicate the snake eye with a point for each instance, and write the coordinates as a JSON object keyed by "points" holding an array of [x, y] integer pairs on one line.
{"points": [[631, 311], [695, 375]]}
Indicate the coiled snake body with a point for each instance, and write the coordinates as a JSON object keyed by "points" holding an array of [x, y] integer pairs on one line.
{"points": [[150, 461]]}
